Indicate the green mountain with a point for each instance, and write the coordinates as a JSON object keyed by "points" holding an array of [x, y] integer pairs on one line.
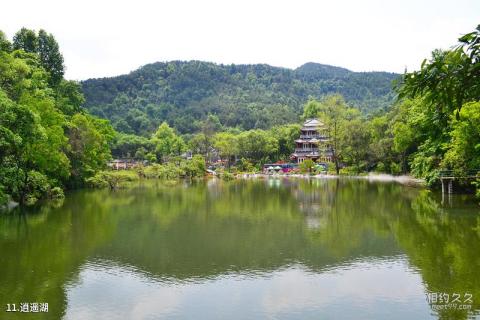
{"points": [[244, 96]]}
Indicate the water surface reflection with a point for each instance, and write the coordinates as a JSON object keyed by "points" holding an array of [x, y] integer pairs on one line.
{"points": [[275, 249]]}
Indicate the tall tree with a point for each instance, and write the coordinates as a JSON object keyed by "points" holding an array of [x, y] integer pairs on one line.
{"points": [[227, 145], [464, 152], [5, 44], [167, 143], [449, 79], [89, 150], [257, 145], [50, 56], [354, 143], [26, 40]]}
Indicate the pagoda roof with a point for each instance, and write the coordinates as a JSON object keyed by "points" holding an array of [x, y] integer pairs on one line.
{"points": [[312, 124]]}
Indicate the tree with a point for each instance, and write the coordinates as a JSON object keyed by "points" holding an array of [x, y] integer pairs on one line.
{"points": [[354, 143], [46, 140], [167, 143], [50, 56], [17, 125], [126, 145], [464, 152], [227, 145], [381, 141], [89, 151], [311, 109], [195, 167], [334, 111], [257, 145], [26, 40], [200, 144], [307, 165], [449, 79], [140, 153], [443, 85], [286, 136], [5, 44], [68, 97]]}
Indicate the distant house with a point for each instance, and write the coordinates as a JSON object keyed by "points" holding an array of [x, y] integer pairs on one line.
{"points": [[313, 143], [124, 164]]}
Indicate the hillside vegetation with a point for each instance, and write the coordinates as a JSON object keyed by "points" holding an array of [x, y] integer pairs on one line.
{"points": [[244, 96]]}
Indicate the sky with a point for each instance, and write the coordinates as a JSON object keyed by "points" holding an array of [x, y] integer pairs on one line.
{"points": [[102, 38]]}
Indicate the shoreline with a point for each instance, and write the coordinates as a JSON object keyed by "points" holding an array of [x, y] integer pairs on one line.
{"points": [[403, 179]]}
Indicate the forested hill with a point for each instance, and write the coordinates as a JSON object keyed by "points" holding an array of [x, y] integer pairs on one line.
{"points": [[245, 96]]}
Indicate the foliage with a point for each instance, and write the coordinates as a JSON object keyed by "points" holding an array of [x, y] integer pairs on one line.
{"points": [[257, 145], [167, 143], [47, 140], [227, 176], [195, 167], [46, 47], [112, 179], [200, 144], [245, 166], [354, 144], [36, 186], [285, 136], [307, 166], [89, 150], [434, 131], [167, 171], [227, 145], [56, 193], [449, 79], [126, 145], [5, 44], [463, 153], [50, 56], [336, 114], [185, 94]]}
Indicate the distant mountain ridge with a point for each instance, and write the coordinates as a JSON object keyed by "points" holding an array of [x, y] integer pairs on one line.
{"points": [[245, 96]]}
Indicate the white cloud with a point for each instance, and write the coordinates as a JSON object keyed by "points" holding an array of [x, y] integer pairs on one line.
{"points": [[106, 38]]}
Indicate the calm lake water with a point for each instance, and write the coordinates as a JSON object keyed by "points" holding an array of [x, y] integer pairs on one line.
{"points": [[263, 249]]}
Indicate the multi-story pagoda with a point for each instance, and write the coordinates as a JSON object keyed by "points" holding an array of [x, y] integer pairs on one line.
{"points": [[313, 143]]}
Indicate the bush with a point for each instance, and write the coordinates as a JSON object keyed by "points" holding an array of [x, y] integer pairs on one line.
{"points": [[380, 167], [331, 169], [245, 166], [395, 168], [195, 167], [112, 179], [37, 187], [3, 196], [170, 171], [227, 176], [477, 186], [307, 166], [151, 157], [56, 193], [348, 171]]}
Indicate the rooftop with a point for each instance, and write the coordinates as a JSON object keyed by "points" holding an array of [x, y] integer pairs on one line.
{"points": [[313, 123]]}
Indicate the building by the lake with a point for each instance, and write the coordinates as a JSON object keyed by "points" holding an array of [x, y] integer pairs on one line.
{"points": [[125, 164], [313, 143]]}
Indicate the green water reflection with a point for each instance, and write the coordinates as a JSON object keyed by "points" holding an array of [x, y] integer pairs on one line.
{"points": [[244, 238]]}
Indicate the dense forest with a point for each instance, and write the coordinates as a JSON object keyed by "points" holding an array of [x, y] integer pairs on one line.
{"points": [[242, 96]]}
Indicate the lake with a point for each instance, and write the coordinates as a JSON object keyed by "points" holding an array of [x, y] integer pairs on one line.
{"points": [[245, 249]]}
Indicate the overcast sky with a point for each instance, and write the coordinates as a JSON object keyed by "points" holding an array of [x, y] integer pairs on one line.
{"points": [[101, 38]]}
